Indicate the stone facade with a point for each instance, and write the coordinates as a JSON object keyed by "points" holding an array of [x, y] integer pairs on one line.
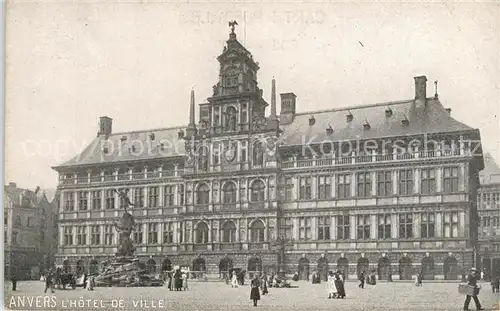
{"points": [[242, 185]]}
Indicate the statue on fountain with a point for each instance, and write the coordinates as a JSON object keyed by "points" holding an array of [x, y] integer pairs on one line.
{"points": [[124, 228]]}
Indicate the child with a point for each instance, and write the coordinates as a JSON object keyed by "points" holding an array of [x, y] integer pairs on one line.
{"points": [[332, 289]]}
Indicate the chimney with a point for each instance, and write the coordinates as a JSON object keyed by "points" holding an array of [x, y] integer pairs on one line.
{"points": [[288, 105], [12, 185], [105, 126], [448, 110], [421, 89]]}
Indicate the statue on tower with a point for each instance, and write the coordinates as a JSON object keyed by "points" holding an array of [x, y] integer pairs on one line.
{"points": [[232, 24]]}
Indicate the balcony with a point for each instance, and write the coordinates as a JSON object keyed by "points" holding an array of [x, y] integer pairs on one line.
{"points": [[230, 246], [346, 160], [117, 178]]}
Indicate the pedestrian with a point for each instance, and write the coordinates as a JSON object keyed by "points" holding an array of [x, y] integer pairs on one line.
{"points": [[482, 275], [495, 284], [14, 282], [339, 284], [254, 292], [332, 289], [418, 279], [184, 281], [234, 280], [472, 279], [264, 284], [362, 280], [49, 283]]}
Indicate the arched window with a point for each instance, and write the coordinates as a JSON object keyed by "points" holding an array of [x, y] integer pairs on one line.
{"points": [[203, 158], [202, 194], [231, 119], [229, 232], [258, 191], [257, 231], [229, 192], [258, 154], [202, 233]]}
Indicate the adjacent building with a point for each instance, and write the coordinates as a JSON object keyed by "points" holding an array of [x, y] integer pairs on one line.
{"points": [[30, 232], [488, 199], [390, 187]]}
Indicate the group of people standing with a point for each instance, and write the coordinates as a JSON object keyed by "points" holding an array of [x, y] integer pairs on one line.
{"points": [[336, 288], [177, 280]]}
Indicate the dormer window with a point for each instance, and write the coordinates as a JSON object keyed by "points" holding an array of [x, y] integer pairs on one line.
{"points": [[123, 138], [329, 130], [180, 134], [405, 121], [151, 136], [388, 112], [350, 117], [366, 125], [312, 120]]}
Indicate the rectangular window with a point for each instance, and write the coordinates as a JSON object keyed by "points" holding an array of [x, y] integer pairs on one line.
{"points": [[30, 222], [96, 199], [96, 235], [138, 234], [406, 182], [324, 187], [324, 228], [384, 226], [363, 227], [181, 194], [168, 195], [427, 227], [110, 199], [139, 197], [14, 238], [450, 225], [364, 184], [450, 179], [405, 226], [305, 188], [343, 230], [68, 235], [305, 228], [123, 200], [108, 235], [428, 181], [384, 184], [81, 235], [69, 201], [343, 185], [168, 233], [152, 233], [289, 189], [287, 227], [82, 200], [153, 196]]}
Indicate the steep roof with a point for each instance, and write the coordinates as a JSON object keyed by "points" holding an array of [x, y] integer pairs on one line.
{"points": [[130, 146], [430, 118], [21, 197], [491, 172]]}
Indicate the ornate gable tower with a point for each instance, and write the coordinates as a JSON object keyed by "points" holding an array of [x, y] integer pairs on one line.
{"points": [[231, 167]]}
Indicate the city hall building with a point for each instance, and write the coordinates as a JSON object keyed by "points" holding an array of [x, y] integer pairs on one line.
{"points": [[389, 187]]}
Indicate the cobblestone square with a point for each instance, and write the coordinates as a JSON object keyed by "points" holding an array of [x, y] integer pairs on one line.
{"points": [[219, 296]]}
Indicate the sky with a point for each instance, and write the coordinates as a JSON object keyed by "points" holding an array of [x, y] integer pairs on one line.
{"points": [[69, 63]]}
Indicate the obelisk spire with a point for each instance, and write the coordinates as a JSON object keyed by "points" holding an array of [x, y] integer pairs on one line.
{"points": [[191, 130], [273, 100]]}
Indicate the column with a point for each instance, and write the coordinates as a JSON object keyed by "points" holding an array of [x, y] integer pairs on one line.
{"points": [[439, 174], [237, 232], [145, 171], [416, 225], [394, 226], [462, 179], [117, 199], [333, 228], [115, 173], [314, 228], [395, 182], [146, 198], [374, 226], [296, 228], [101, 234], [130, 172], [462, 145], [75, 201], [160, 196], [238, 189], [210, 227], [352, 226], [334, 186], [439, 224], [75, 178], [266, 228], [62, 205], [461, 224], [314, 188], [89, 200], [374, 183], [416, 180], [353, 185], [103, 199], [61, 235]]}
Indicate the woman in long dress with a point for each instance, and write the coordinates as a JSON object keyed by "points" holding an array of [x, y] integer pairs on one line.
{"points": [[332, 289], [254, 292], [264, 284], [234, 280]]}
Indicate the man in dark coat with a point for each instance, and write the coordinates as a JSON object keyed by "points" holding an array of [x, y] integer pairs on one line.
{"points": [[472, 279], [254, 292], [14, 282], [339, 284], [48, 281], [362, 280]]}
